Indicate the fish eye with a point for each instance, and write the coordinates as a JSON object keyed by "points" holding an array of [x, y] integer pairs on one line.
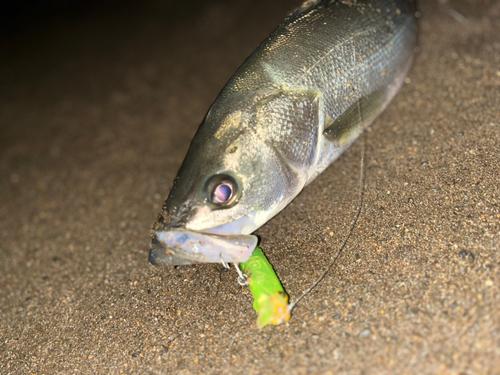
{"points": [[222, 190]]}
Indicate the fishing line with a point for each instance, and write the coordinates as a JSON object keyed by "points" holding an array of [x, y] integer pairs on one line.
{"points": [[292, 304]]}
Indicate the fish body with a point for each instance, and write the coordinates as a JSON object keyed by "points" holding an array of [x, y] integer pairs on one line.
{"points": [[300, 99]]}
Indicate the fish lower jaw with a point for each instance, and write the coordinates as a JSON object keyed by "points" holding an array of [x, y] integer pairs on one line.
{"points": [[182, 246]]}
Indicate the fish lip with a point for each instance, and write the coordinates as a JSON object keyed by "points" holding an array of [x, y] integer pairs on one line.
{"points": [[233, 248], [161, 255]]}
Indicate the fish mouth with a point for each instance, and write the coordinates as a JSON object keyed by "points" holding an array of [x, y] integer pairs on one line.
{"points": [[177, 246]]}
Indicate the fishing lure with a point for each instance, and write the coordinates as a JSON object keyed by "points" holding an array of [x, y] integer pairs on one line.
{"points": [[270, 299]]}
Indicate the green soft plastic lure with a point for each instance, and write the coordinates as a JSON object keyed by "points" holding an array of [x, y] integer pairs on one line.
{"points": [[270, 299]]}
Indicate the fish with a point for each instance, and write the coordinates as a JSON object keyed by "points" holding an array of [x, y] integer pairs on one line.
{"points": [[293, 107]]}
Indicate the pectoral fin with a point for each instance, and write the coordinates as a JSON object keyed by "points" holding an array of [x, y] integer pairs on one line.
{"points": [[349, 125]]}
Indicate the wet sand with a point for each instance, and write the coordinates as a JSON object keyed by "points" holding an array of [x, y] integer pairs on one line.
{"points": [[96, 115]]}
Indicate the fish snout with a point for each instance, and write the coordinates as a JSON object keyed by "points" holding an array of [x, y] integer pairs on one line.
{"points": [[161, 255]]}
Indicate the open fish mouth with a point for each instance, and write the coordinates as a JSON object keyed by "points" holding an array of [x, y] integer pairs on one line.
{"points": [[181, 247]]}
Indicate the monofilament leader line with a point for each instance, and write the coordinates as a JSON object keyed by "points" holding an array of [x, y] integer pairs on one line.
{"points": [[292, 304]]}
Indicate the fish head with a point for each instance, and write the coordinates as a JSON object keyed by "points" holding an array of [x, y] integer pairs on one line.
{"points": [[231, 182]]}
